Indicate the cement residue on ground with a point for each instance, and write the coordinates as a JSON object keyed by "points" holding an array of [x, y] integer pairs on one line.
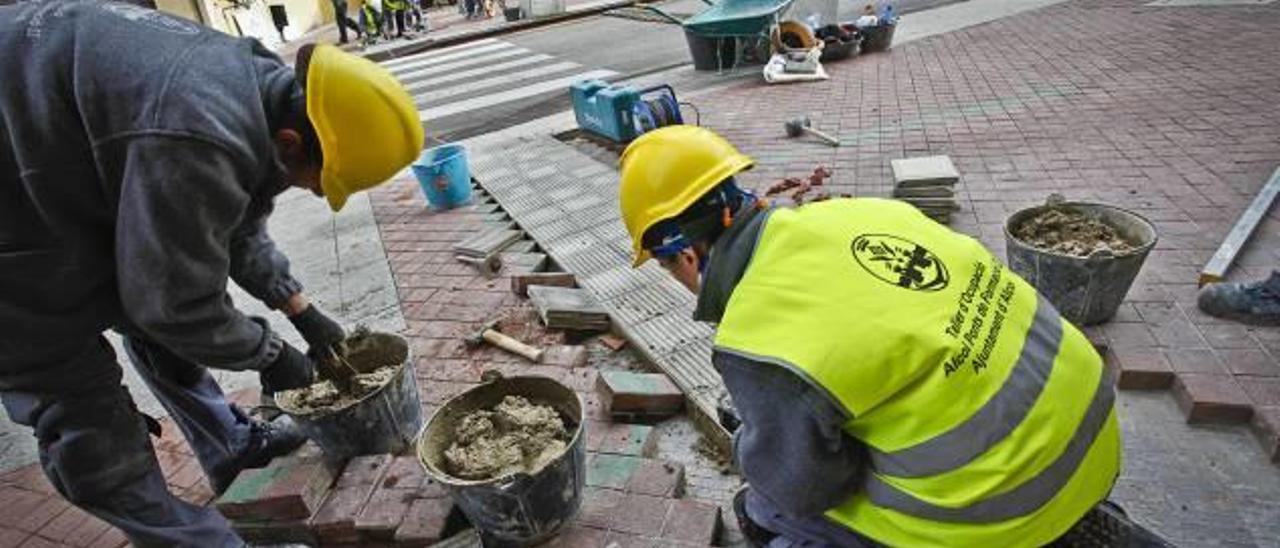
{"points": [[367, 361], [1070, 233], [515, 436]]}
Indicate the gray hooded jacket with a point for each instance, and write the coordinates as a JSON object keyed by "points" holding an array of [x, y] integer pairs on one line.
{"points": [[136, 173]]}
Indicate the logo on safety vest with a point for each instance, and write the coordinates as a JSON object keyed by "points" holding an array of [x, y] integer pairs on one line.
{"points": [[900, 262]]}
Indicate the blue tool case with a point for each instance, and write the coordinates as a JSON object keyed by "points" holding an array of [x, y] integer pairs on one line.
{"points": [[621, 113]]}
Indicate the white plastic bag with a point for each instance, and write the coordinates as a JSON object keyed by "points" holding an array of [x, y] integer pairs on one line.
{"points": [[775, 71]]}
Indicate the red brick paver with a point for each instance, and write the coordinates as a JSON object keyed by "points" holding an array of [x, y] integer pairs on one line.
{"points": [[1168, 112]]}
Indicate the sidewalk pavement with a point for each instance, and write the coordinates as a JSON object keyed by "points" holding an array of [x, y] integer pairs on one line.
{"points": [[448, 26], [1166, 111], [1086, 99]]}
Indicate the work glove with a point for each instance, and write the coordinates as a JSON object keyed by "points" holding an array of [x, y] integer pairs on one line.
{"points": [[292, 369], [319, 330]]}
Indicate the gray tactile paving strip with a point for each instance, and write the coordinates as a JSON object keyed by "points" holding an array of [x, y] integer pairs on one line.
{"points": [[668, 333], [648, 302], [592, 259], [566, 201], [620, 280]]}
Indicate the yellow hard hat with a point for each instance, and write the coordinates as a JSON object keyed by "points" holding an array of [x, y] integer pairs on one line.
{"points": [[666, 170], [367, 124]]}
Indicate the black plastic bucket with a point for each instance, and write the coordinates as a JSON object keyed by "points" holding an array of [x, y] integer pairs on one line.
{"points": [[878, 38], [520, 509], [711, 53], [1085, 290], [386, 420]]}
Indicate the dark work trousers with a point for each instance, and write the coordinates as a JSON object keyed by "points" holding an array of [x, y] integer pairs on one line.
{"points": [[94, 445], [398, 17], [340, 13]]}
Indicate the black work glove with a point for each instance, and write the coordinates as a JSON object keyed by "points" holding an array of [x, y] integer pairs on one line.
{"points": [[292, 369], [320, 331]]}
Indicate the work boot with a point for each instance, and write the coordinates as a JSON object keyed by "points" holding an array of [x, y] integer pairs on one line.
{"points": [[755, 535], [1256, 303], [267, 440]]}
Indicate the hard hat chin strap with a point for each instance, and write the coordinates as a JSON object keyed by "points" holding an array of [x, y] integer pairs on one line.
{"points": [[706, 219]]}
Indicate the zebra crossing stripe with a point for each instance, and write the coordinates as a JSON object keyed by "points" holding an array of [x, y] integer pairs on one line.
{"points": [[424, 99], [438, 59], [559, 84], [422, 73], [424, 85], [389, 63]]}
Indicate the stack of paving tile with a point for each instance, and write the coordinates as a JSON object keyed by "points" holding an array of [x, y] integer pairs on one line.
{"points": [[927, 183], [485, 244], [568, 308]]}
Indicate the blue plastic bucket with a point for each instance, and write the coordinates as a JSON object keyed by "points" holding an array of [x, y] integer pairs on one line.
{"points": [[444, 176]]}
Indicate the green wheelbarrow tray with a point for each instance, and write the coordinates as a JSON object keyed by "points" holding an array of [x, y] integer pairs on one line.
{"points": [[736, 18]]}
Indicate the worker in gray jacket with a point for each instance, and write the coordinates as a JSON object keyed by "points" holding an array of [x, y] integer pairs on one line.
{"points": [[139, 157]]}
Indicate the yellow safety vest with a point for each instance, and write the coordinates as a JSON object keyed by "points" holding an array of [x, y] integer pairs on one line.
{"points": [[988, 418]]}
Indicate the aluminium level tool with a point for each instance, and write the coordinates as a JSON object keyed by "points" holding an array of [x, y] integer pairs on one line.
{"points": [[488, 333], [797, 127], [1216, 269]]}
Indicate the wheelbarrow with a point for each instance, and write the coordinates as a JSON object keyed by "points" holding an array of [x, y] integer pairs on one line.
{"points": [[714, 33]]}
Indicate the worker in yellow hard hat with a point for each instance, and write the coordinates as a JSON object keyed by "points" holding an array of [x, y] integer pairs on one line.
{"points": [[136, 177], [895, 384]]}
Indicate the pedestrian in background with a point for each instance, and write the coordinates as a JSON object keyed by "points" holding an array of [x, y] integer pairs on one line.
{"points": [[371, 20], [393, 12], [417, 16], [340, 8]]}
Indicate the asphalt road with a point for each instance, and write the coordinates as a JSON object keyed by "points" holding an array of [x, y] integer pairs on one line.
{"points": [[628, 47]]}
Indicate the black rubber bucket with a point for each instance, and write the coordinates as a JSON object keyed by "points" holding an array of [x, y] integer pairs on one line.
{"points": [[386, 420], [711, 53], [1085, 290], [834, 49], [878, 38], [520, 509]]}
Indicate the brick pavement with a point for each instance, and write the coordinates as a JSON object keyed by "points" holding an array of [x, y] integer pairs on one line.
{"points": [[1169, 112]]}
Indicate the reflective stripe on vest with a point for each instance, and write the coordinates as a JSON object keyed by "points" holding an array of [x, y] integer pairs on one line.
{"points": [[997, 417], [961, 444]]}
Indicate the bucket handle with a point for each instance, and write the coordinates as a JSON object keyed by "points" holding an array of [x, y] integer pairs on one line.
{"points": [[512, 482], [1099, 256]]}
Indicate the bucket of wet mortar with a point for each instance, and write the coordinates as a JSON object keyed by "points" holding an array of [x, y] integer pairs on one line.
{"points": [[385, 420], [1086, 290], [521, 508]]}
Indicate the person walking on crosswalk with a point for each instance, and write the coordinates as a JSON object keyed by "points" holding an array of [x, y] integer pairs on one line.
{"points": [[340, 8]]}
